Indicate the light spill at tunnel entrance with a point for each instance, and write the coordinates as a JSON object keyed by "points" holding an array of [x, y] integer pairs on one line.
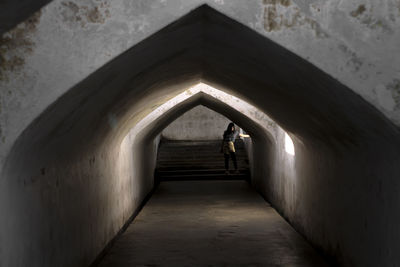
{"points": [[268, 140]]}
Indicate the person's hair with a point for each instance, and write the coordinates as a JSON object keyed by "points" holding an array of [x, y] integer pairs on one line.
{"points": [[229, 129]]}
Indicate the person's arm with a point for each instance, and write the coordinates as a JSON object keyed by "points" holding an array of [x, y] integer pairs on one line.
{"points": [[240, 134]]}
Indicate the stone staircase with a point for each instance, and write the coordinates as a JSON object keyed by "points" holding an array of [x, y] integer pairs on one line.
{"points": [[198, 160]]}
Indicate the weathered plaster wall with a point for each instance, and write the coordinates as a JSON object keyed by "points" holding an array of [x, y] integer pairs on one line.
{"points": [[87, 108], [199, 123], [356, 42], [66, 211], [351, 219]]}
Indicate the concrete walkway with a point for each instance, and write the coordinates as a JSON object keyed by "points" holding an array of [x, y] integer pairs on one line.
{"points": [[210, 223]]}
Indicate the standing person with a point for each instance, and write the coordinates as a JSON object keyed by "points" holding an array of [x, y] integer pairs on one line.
{"points": [[228, 146]]}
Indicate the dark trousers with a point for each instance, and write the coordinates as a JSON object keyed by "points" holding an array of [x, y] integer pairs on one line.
{"points": [[233, 156]]}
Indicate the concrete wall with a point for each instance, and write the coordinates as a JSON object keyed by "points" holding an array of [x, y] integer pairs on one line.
{"points": [[355, 42], [348, 220], [65, 213], [199, 123], [66, 107]]}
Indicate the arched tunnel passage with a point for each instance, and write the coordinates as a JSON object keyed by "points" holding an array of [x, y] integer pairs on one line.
{"points": [[72, 192], [180, 205]]}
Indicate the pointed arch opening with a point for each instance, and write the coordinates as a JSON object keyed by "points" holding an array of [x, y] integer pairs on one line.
{"points": [[70, 178]]}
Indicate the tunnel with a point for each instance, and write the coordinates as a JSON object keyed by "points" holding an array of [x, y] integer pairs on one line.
{"points": [[81, 170]]}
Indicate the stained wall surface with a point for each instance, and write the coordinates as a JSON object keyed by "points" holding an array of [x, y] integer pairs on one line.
{"points": [[356, 42]]}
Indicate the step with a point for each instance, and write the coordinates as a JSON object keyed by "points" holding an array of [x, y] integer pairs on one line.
{"points": [[214, 165], [203, 177], [196, 142], [209, 159], [194, 154], [196, 172], [197, 154], [194, 167], [195, 161], [198, 160], [200, 148]]}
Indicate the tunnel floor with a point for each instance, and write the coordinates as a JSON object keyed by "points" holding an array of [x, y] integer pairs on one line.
{"points": [[210, 223]]}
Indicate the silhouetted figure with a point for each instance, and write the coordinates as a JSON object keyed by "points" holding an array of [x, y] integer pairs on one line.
{"points": [[228, 146]]}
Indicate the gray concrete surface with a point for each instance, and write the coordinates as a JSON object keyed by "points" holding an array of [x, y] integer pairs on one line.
{"points": [[210, 223], [69, 98], [356, 42], [199, 123]]}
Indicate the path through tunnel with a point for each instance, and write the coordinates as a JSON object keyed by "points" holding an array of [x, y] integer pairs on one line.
{"points": [[199, 215], [88, 160], [209, 223]]}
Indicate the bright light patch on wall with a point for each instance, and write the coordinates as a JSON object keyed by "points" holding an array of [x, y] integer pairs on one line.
{"points": [[289, 146], [238, 104]]}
